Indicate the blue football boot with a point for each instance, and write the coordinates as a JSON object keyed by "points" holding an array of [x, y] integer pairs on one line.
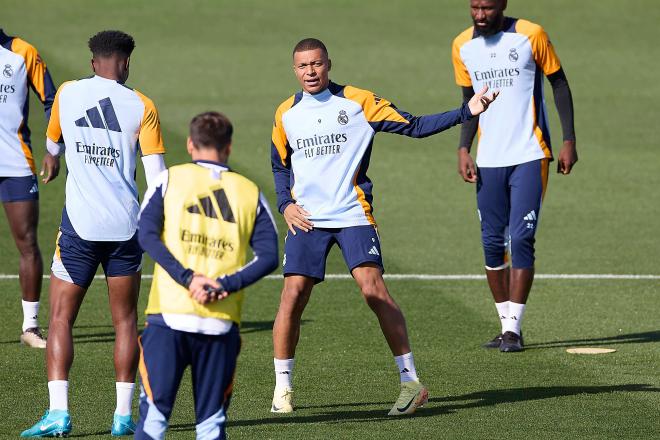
{"points": [[122, 425], [56, 423]]}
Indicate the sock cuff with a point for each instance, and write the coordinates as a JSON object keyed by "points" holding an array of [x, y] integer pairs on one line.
{"points": [[404, 357], [125, 385], [283, 364]]}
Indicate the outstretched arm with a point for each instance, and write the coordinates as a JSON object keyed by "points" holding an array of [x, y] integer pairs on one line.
{"points": [[564, 102], [385, 116]]}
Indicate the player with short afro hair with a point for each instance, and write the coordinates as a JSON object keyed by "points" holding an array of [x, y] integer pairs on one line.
{"points": [[108, 43]]}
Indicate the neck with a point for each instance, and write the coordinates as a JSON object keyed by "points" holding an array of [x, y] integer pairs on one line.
{"points": [[209, 155], [113, 67]]}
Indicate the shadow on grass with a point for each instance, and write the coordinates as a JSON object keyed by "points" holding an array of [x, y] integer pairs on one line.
{"points": [[630, 338], [109, 336], [436, 406]]}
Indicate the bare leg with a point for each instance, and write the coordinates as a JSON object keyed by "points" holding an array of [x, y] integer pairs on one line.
{"points": [[521, 284], [65, 301], [123, 293], [498, 281], [23, 218], [286, 329], [370, 280]]}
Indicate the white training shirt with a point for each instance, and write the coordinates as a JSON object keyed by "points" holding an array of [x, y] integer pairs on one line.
{"points": [[514, 130], [103, 125]]}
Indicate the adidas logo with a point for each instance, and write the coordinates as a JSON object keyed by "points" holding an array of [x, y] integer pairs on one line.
{"points": [[531, 216], [34, 189], [94, 117], [206, 206], [373, 251], [405, 370]]}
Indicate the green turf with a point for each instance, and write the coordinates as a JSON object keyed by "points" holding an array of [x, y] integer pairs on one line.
{"points": [[235, 57]]}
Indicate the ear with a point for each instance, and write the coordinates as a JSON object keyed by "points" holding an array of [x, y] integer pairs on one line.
{"points": [[329, 64], [504, 4], [190, 146], [91, 63], [228, 150], [128, 62]]}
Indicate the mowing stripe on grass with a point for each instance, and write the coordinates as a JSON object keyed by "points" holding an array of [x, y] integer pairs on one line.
{"points": [[456, 277]]}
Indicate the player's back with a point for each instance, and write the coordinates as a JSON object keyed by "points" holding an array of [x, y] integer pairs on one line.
{"points": [[100, 122]]}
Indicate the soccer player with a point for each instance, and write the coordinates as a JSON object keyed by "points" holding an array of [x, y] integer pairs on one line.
{"points": [[197, 222], [101, 125], [321, 145], [511, 171], [22, 67]]}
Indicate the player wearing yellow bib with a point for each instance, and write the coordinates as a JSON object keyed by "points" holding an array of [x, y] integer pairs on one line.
{"points": [[514, 151], [197, 222]]}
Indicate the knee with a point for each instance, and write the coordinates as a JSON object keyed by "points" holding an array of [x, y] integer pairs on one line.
{"points": [[494, 251], [522, 251], [374, 292], [294, 298], [27, 244]]}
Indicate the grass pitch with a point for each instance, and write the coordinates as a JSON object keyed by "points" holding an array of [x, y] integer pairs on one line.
{"points": [[235, 57]]}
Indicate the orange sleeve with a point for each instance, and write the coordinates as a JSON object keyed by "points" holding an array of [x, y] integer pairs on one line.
{"points": [[461, 73], [150, 136], [375, 108], [54, 130], [37, 72], [542, 49], [278, 137]]}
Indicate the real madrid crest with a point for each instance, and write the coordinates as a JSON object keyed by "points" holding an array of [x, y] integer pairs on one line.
{"points": [[343, 117], [7, 72], [513, 55]]}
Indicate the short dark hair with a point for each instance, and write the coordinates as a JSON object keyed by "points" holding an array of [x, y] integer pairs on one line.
{"points": [[211, 130], [310, 44], [108, 43]]}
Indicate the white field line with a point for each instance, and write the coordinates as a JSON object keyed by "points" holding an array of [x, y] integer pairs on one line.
{"points": [[452, 277]]}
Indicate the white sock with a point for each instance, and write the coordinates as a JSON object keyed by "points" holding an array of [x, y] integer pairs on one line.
{"points": [[124, 398], [58, 392], [406, 365], [502, 312], [30, 312], [283, 373], [514, 321]]}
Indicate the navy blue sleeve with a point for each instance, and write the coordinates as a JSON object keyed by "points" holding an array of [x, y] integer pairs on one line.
{"points": [[264, 247], [150, 227], [423, 126], [282, 175], [49, 94]]}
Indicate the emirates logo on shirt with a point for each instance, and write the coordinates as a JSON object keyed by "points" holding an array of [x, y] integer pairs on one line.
{"points": [[7, 72]]}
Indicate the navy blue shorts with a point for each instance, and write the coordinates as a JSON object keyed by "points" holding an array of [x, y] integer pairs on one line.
{"points": [[509, 202], [17, 189], [306, 252], [76, 260], [164, 356]]}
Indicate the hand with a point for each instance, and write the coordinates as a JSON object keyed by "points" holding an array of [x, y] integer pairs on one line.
{"points": [[201, 289], [479, 102], [294, 215], [567, 158], [50, 167], [466, 167]]}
